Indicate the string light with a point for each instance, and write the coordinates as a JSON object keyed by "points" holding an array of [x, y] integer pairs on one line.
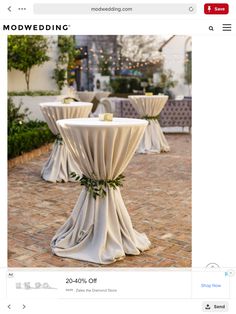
{"points": [[112, 60]]}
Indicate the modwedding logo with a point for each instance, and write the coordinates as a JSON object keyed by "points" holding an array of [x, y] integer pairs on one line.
{"points": [[35, 27]]}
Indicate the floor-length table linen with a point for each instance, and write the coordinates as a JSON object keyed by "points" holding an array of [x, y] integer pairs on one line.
{"points": [[100, 230], [149, 107], [61, 163]]}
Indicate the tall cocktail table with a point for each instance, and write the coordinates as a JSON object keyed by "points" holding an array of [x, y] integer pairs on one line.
{"points": [[149, 107], [60, 163], [99, 229]]}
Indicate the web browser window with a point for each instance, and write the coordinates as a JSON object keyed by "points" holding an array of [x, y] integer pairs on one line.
{"points": [[117, 157]]}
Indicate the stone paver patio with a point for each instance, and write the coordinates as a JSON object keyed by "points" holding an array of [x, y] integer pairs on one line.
{"points": [[157, 193]]}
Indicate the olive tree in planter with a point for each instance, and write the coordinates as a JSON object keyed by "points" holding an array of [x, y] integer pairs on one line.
{"points": [[25, 52]]}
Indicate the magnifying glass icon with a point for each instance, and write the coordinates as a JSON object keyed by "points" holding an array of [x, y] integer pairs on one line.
{"points": [[211, 28]]}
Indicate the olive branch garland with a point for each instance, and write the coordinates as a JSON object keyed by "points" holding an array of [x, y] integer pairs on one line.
{"points": [[151, 117], [97, 188], [59, 139]]}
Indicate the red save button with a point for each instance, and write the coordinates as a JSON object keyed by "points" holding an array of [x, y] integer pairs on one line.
{"points": [[216, 8]]}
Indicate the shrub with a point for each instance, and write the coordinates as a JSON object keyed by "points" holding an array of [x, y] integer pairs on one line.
{"points": [[23, 136], [27, 140], [134, 84], [16, 117], [13, 112], [35, 93], [125, 84]]}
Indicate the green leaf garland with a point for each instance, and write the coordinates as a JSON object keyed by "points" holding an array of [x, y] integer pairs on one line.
{"points": [[97, 188]]}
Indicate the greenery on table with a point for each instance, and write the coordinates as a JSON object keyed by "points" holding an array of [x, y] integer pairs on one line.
{"points": [[25, 52], [34, 93], [25, 135], [97, 188]]}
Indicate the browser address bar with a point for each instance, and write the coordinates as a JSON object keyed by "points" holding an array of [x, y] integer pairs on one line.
{"points": [[109, 8]]}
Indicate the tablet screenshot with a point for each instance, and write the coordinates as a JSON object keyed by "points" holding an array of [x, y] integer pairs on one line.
{"points": [[117, 157]]}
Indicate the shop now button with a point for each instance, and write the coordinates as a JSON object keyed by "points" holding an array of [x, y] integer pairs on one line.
{"points": [[216, 8]]}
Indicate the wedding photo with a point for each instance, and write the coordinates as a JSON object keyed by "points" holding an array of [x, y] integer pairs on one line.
{"points": [[99, 151]]}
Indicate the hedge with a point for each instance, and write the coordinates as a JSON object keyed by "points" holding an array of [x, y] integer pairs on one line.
{"points": [[35, 93], [28, 140], [125, 84]]}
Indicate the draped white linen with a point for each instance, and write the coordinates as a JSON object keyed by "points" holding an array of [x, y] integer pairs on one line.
{"points": [[107, 104], [60, 163], [153, 140], [100, 230], [86, 96], [100, 107], [101, 94]]}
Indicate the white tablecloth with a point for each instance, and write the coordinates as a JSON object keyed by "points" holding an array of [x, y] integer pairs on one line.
{"points": [[153, 140], [100, 230], [86, 96], [107, 104], [100, 95], [60, 163]]}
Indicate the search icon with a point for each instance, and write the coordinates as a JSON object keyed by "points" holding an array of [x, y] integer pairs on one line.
{"points": [[211, 28]]}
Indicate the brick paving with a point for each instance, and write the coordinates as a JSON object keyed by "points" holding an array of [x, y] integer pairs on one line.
{"points": [[157, 193]]}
